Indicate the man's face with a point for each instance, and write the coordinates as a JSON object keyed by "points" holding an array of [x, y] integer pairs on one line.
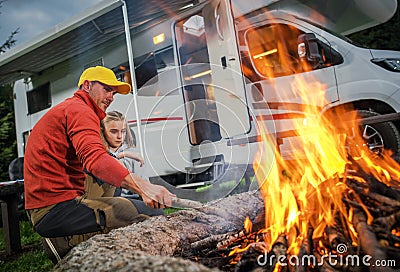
{"points": [[101, 94]]}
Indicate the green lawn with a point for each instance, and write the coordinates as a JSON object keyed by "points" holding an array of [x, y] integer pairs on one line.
{"points": [[32, 257]]}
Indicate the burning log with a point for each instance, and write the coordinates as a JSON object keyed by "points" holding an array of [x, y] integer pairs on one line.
{"points": [[168, 236]]}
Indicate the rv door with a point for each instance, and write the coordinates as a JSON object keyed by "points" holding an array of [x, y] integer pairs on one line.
{"points": [[227, 79]]}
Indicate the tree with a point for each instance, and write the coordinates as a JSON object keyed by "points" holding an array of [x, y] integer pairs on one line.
{"points": [[381, 36], [8, 143], [10, 42]]}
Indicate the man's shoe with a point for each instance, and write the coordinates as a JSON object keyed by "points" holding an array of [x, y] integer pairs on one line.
{"points": [[56, 248]]}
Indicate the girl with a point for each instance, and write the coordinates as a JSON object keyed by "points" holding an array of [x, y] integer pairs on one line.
{"points": [[119, 143]]}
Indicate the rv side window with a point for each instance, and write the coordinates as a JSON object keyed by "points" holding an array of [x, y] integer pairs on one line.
{"points": [[39, 98], [147, 69], [25, 136]]}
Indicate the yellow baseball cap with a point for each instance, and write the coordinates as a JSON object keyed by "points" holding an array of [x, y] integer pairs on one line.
{"points": [[105, 76]]}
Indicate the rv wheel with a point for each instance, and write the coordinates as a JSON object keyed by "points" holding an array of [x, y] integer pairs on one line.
{"points": [[380, 136]]}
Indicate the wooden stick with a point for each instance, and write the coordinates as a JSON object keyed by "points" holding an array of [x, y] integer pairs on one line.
{"points": [[388, 222], [186, 203], [209, 242], [305, 249], [385, 200]]}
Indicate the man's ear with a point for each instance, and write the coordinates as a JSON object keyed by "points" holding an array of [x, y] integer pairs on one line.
{"points": [[87, 86]]}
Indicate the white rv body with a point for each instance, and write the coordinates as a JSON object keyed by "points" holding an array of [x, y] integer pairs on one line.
{"points": [[198, 118]]}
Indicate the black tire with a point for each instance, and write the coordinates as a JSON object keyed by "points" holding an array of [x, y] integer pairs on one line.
{"points": [[380, 136]]}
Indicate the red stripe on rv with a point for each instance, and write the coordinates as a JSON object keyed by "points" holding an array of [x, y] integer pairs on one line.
{"points": [[280, 116], [157, 119]]}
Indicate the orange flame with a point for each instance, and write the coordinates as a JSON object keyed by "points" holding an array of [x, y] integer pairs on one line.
{"points": [[307, 192], [248, 225]]}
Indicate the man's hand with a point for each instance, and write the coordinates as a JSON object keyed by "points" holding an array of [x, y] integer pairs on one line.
{"points": [[154, 196]]}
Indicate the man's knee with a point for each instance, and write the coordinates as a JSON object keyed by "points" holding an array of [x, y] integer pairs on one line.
{"points": [[70, 218], [118, 211], [121, 212]]}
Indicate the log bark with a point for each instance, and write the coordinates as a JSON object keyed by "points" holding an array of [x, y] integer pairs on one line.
{"points": [[155, 240]]}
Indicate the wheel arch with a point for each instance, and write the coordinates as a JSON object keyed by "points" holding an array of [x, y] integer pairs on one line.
{"points": [[370, 105], [376, 107]]}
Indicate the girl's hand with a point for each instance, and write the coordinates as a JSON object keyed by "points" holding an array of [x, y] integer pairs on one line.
{"points": [[133, 155]]}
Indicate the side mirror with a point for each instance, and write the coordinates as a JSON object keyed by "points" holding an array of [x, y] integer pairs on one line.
{"points": [[308, 50]]}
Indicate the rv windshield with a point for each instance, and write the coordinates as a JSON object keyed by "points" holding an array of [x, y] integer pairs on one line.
{"points": [[148, 70]]}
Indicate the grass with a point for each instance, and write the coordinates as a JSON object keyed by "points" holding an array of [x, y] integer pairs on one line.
{"points": [[32, 257]]}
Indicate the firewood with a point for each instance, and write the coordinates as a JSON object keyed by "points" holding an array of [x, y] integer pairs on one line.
{"points": [[388, 240], [388, 222], [360, 206], [247, 263], [393, 254], [393, 203], [368, 240], [209, 242], [238, 238], [383, 189]]}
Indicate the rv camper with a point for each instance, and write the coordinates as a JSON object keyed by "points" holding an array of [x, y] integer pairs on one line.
{"points": [[204, 71]]}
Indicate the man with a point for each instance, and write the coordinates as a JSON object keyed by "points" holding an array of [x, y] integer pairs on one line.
{"points": [[64, 142]]}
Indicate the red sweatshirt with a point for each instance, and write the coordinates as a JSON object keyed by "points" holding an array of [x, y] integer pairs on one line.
{"points": [[62, 143]]}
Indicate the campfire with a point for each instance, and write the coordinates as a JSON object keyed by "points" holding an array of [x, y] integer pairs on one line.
{"points": [[334, 208]]}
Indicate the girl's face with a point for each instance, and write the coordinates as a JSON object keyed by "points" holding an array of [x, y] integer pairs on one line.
{"points": [[114, 132]]}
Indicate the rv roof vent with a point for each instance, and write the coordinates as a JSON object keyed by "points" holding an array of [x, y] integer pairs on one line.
{"points": [[98, 62], [194, 26]]}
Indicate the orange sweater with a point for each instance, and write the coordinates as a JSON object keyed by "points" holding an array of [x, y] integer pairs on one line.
{"points": [[62, 143]]}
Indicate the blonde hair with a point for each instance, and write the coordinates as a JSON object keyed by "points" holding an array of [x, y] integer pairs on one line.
{"points": [[117, 116]]}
